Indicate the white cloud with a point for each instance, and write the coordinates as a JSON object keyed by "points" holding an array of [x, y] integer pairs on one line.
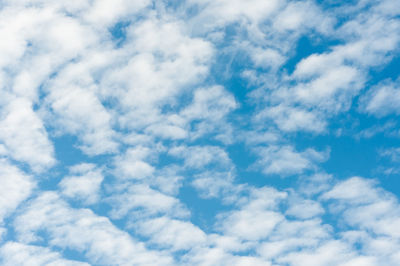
{"points": [[331, 89], [14, 253], [15, 187], [217, 256], [156, 65], [140, 200], [388, 128], [39, 48], [315, 184], [175, 234], [284, 160], [105, 13], [84, 183], [251, 224], [78, 111], [221, 12], [66, 36], [25, 136], [198, 157], [382, 99], [208, 112], [300, 15], [148, 104], [322, 84], [133, 164], [167, 180], [291, 119], [304, 209], [331, 253], [173, 127], [215, 184], [353, 189], [291, 236], [48, 40], [211, 103], [366, 207], [73, 5], [82, 230], [372, 216], [255, 219], [266, 58], [392, 153]]}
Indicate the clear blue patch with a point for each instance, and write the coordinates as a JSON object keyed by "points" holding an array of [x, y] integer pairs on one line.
{"points": [[118, 32]]}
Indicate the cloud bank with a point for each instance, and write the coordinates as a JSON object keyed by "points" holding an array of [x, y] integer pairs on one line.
{"points": [[199, 132]]}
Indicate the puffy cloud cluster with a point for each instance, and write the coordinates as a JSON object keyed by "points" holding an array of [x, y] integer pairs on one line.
{"points": [[199, 132]]}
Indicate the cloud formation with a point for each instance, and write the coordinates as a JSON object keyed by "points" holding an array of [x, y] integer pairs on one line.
{"points": [[199, 132]]}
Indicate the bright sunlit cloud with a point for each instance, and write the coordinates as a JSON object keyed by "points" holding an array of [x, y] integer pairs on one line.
{"points": [[143, 132]]}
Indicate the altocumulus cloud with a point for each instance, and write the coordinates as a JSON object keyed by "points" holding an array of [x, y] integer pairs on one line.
{"points": [[156, 132]]}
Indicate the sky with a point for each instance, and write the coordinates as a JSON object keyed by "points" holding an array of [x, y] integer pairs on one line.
{"points": [[199, 132]]}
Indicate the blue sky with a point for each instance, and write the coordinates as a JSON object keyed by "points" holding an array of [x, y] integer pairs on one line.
{"points": [[199, 132]]}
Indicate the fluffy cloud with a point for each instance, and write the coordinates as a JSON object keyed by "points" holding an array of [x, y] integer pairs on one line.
{"points": [[377, 212], [141, 200], [79, 112], [14, 253], [285, 160], [256, 218], [161, 132], [372, 213], [201, 156], [176, 234], [24, 135], [222, 12], [15, 187], [84, 184], [84, 231], [382, 99]]}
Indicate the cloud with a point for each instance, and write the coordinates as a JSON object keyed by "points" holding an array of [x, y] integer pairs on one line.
{"points": [[378, 211], [171, 233], [141, 200], [382, 99], [208, 113], [284, 160], [24, 135], [304, 209], [332, 253], [133, 164], [79, 112], [198, 157], [371, 212], [15, 187], [14, 253], [300, 15], [221, 12], [211, 103], [103, 13], [291, 119], [84, 184], [215, 184], [255, 219], [188, 116], [324, 83], [392, 153], [157, 64], [82, 230]]}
